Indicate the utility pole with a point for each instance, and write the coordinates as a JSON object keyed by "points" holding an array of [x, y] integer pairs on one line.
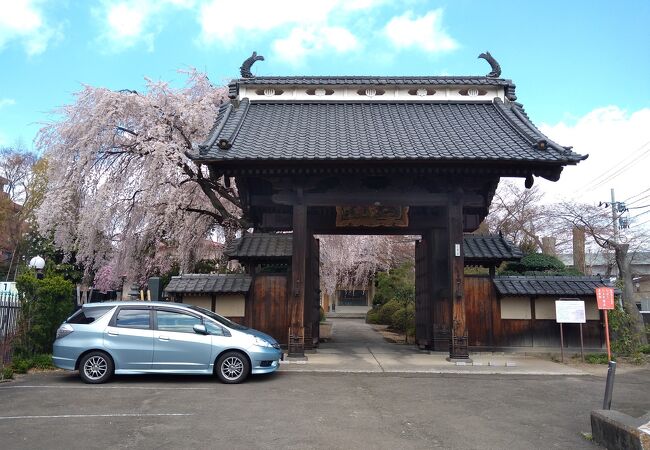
{"points": [[614, 224]]}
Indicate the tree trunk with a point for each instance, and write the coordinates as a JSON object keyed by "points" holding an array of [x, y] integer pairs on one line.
{"points": [[548, 246], [579, 249], [625, 272]]}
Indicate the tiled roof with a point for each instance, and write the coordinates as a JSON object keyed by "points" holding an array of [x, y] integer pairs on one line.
{"points": [[357, 131], [493, 248], [209, 283], [551, 285], [477, 249], [261, 245]]}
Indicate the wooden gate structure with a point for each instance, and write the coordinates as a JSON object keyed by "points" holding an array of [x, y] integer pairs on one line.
{"points": [[377, 155]]}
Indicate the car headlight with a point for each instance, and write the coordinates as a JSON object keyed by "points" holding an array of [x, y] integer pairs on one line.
{"points": [[261, 342]]}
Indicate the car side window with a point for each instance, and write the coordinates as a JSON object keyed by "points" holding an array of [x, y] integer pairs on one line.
{"points": [[213, 328], [176, 321], [133, 318]]}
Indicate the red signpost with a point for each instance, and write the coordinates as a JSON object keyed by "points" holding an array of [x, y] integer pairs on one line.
{"points": [[605, 299]]}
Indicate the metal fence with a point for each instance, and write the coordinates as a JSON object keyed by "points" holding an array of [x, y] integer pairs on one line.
{"points": [[9, 320]]}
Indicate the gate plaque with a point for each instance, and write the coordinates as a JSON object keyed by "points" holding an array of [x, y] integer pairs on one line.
{"points": [[372, 216]]}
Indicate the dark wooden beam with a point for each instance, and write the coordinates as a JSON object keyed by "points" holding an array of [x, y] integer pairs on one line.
{"points": [[439, 287], [360, 199], [298, 275], [459, 343]]}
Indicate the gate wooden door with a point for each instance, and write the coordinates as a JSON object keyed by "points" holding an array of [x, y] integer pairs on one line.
{"points": [[480, 301], [269, 306]]}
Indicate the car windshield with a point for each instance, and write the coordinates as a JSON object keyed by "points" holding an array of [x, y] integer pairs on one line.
{"points": [[222, 320]]}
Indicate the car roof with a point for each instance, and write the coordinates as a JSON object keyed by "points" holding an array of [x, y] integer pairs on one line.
{"points": [[133, 303]]}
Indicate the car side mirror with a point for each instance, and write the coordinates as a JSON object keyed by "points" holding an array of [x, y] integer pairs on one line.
{"points": [[199, 328]]}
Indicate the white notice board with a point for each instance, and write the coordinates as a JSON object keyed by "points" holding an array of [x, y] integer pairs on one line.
{"points": [[570, 311]]}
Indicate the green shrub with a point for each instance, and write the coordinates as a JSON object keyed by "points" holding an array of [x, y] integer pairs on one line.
{"points": [[20, 365], [46, 303], [596, 358], [645, 348], [321, 314], [403, 318], [7, 373], [373, 316], [625, 342], [42, 362], [398, 283], [538, 264], [387, 310]]}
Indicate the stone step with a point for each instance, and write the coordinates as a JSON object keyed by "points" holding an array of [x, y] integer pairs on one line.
{"points": [[350, 315]]}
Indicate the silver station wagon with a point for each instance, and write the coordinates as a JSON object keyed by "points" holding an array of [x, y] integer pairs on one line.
{"points": [[103, 339]]}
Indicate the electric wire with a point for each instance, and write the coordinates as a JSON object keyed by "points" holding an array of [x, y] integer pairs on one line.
{"points": [[636, 195], [615, 170], [638, 200]]}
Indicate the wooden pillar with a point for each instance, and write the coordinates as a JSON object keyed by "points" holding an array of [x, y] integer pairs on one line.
{"points": [[459, 339], [437, 241], [298, 274]]}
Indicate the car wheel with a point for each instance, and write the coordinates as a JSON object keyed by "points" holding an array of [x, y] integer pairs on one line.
{"points": [[95, 368], [232, 367]]}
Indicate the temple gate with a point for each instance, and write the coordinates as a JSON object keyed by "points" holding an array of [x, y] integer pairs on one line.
{"points": [[377, 155]]}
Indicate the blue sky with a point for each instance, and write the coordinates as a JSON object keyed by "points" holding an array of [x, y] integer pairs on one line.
{"points": [[579, 66]]}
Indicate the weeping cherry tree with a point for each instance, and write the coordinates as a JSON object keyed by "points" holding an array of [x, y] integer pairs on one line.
{"points": [[121, 190]]}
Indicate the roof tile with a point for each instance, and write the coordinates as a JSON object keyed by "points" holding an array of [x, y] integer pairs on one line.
{"points": [[548, 285], [317, 131], [234, 283]]}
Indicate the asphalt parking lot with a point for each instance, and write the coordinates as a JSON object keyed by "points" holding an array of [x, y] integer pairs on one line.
{"points": [[310, 410]]}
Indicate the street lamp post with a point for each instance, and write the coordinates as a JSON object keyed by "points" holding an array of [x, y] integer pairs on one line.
{"points": [[37, 263]]}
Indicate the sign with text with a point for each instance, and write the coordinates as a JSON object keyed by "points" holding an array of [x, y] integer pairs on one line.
{"points": [[570, 311], [605, 297]]}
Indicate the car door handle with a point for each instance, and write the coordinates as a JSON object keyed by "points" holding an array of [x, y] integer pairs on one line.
{"points": [[163, 337], [113, 333]]}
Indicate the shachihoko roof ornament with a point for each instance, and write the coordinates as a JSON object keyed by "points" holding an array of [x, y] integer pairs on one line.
{"points": [[496, 68], [245, 69]]}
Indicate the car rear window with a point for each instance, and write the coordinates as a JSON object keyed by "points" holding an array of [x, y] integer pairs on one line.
{"points": [[89, 315]]}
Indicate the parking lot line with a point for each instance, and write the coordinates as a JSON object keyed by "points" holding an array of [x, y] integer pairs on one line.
{"points": [[106, 387], [78, 416]]}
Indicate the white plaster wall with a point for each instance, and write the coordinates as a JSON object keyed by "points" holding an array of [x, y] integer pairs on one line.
{"points": [[515, 308]]}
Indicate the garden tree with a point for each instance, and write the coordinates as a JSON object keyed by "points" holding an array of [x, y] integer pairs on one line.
{"points": [[522, 218], [17, 168], [16, 165], [351, 261], [597, 223], [121, 190], [45, 304]]}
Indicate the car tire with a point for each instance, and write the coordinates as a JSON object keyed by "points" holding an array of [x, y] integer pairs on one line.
{"points": [[232, 367], [96, 367]]}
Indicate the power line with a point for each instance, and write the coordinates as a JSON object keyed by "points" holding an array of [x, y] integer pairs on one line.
{"points": [[636, 195], [617, 169], [639, 199], [638, 207], [640, 214], [621, 170]]}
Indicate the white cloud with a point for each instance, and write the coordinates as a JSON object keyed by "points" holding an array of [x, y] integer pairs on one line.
{"points": [[424, 32], [296, 28], [302, 41], [7, 102], [131, 22], [616, 141], [24, 21]]}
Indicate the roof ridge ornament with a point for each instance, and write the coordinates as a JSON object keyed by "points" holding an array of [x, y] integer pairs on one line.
{"points": [[496, 68], [245, 69]]}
